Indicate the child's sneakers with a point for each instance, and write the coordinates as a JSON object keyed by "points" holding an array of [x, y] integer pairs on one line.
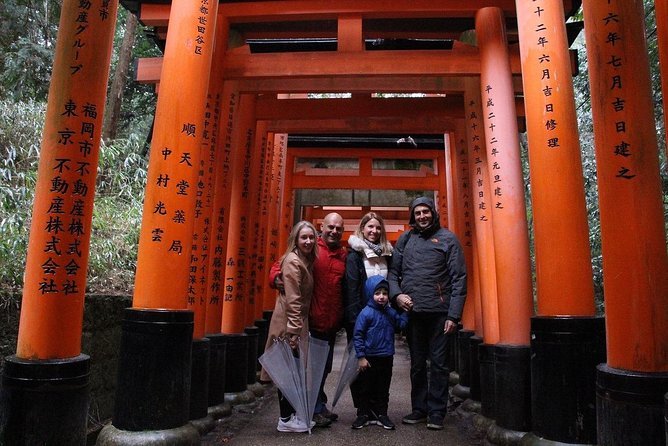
{"points": [[384, 420], [360, 421]]}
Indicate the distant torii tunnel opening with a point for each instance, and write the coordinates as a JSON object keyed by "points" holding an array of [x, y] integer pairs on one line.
{"points": [[273, 111]]}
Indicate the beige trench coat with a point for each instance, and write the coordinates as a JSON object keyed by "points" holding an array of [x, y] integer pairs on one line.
{"points": [[291, 310]]}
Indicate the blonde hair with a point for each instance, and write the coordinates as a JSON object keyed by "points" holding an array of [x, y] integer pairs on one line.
{"points": [[387, 250], [294, 234]]}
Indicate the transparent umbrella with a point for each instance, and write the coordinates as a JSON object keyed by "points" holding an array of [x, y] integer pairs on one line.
{"points": [[297, 374], [348, 372]]}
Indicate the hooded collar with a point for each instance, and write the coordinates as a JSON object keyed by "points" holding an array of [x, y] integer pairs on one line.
{"points": [[435, 223], [370, 287]]}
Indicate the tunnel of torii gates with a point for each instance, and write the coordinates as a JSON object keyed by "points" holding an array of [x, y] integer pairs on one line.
{"points": [[233, 92]]}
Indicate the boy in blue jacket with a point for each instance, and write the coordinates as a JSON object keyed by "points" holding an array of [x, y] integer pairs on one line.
{"points": [[373, 338]]}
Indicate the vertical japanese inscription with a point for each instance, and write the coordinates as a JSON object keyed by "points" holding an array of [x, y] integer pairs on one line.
{"points": [[495, 148]]}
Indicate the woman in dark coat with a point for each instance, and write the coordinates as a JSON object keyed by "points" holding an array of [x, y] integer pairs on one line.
{"points": [[369, 254]]}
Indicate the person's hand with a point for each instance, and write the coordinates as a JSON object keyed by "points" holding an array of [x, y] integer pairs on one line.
{"points": [[279, 284], [404, 302], [293, 341], [362, 364], [449, 327]]}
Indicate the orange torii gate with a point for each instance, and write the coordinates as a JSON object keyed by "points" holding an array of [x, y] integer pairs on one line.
{"points": [[479, 111]]}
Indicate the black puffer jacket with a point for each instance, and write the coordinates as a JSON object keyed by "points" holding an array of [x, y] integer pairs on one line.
{"points": [[429, 266]]}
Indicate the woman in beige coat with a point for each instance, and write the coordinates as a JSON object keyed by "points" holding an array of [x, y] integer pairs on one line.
{"points": [[290, 318]]}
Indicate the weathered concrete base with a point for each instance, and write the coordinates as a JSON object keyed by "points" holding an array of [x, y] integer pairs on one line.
{"points": [[235, 398], [257, 389], [469, 405], [481, 423], [499, 436], [185, 435], [461, 392], [532, 439], [204, 425], [221, 410], [453, 378]]}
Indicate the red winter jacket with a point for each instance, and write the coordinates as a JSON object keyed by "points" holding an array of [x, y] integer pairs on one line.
{"points": [[326, 312]]}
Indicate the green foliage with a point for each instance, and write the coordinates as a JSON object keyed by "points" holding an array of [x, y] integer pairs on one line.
{"points": [[27, 42], [117, 216], [20, 132]]}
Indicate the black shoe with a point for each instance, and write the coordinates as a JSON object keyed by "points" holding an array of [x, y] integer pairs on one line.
{"points": [[384, 420], [360, 422], [321, 420], [331, 415], [435, 422], [414, 417]]}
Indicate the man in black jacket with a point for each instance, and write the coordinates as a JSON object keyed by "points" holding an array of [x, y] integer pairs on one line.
{"points": [[428, 278]]}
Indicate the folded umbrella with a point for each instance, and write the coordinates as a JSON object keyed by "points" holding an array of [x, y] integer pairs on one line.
{"points": [[297, 374], [347, 373]]}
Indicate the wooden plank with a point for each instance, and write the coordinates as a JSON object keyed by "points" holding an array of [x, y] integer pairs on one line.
{"points": [[357, 182], [153, 14], [364, 125], [270, 108]]}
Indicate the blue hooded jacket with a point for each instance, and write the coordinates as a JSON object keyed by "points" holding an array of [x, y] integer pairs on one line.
{"points": [[376, 324]]}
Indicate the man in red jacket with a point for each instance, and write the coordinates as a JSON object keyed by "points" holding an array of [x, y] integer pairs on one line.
{"points": [[326, 312]]}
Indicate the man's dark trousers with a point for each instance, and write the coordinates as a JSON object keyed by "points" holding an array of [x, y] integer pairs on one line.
{"points": [[426, 340]]}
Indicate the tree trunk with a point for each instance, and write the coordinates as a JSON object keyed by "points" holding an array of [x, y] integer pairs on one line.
{"points": [[120, 77]]}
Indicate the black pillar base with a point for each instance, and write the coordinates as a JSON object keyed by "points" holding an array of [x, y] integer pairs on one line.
{"points": [[474, 367], [263, 329], [630, 407], [266, 315], [253, 335], [513, 388], [463, 356], [217, 366], [502, 436], [153, 389], [486, 358], [532, 439], [564, 354], [236, 370], [199, 381], [44, 402]]}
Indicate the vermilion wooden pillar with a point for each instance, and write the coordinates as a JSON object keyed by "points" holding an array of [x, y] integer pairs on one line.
{"points": [[564, 281], [198, 281], [48, 370], [484, 243], [156, 344], [287, 202], [661, 17], [456, 156], [483, 197], [464, 215], [235, 295], [566, 337], [633, 239], [275, 192], [254, 220], [265, 213], [220, 222], [509, 223], [262, 285], [220, 213]]}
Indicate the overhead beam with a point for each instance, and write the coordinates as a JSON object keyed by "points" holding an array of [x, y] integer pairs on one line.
{"points": [[420, 124], [462, 61], [154, 14], [270, 108]]}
